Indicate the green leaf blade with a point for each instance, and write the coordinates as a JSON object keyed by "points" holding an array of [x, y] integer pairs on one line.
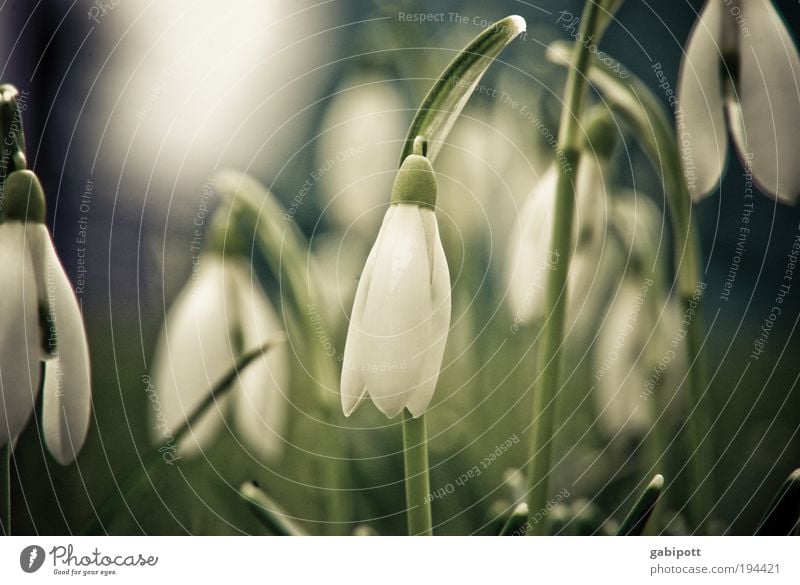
{"points": [[448, 96]]}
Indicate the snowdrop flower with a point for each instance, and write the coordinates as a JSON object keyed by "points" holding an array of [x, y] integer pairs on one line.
{"points": [[401, 314], [741, 70], [357, 150], [529, 257], [40, 320], [221, 314], [638, 366], [639, 352]]}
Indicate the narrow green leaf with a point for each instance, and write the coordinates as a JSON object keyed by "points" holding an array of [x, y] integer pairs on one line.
{"points": [[634, 524], [783, 515], [268, 512], [448, 96], [135, 479], [277, 236], [288, 254], [515, 525]]}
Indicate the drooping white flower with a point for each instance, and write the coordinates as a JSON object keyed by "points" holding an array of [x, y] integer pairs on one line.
{"points": [[401, 314], [639, 355], [638, 365], [220, 315], [357, 150], [741, 71], [530, 258], [40, 320]]}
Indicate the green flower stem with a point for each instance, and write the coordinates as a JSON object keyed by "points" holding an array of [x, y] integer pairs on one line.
{"points": [[550, 351], [418, 484], [5, 494], [154, 457], [644, 113], [283, 246]]}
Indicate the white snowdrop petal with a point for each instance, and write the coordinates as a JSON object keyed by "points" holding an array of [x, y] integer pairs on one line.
{"points": [[623, 365], [358, 145], [769, 93], [529, 251], [261, 405], [67, 390], [395, 326], [440, 320], [353, 387], [194, 351], [20, 347], [701, 129]]}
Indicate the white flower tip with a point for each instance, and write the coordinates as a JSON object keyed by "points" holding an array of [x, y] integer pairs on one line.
{"points": [[351, 400], [415, 410], [517, 23], [389, 407]]}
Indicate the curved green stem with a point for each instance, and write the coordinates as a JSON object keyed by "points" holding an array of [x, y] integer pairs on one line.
{"points": [[418, 484], [550, 351]]}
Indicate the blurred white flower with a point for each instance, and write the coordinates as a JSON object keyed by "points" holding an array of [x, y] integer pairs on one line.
{"points": [[40, 320], [482, 175], [361, 135], [221, 314], [741, 70], [639, 355], [530, 258], [401, 314], [638, 367]]}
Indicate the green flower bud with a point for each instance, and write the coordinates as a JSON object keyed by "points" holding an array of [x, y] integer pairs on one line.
{"points": [[23, 198], [415, 182], [601, 132]]}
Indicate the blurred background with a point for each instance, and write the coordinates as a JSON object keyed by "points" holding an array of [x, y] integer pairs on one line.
{"points": [[130, 108]]}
